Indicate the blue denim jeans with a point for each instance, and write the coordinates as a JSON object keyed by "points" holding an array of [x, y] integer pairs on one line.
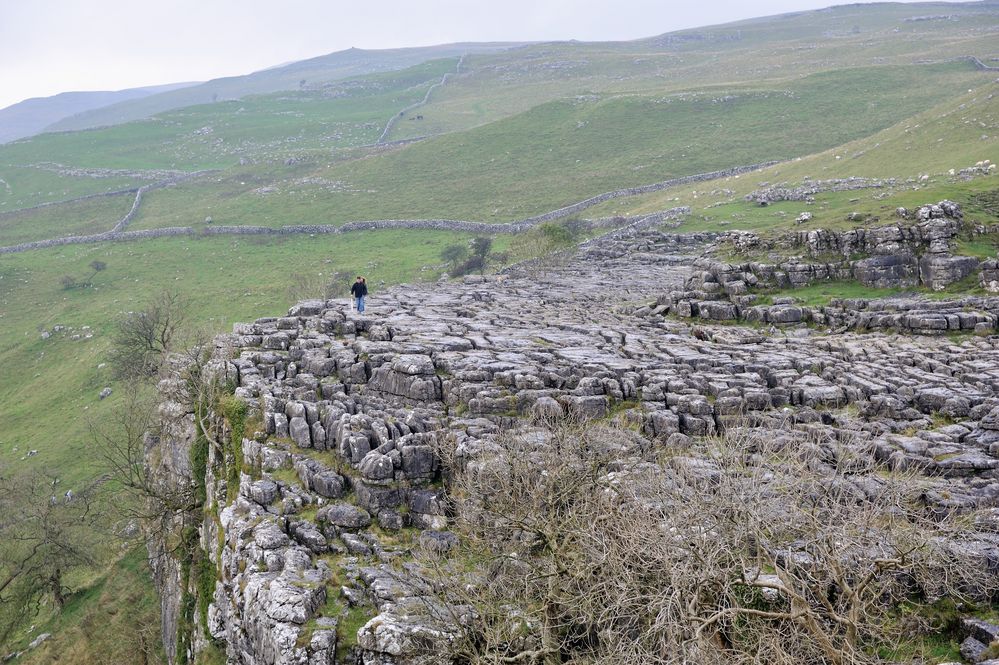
{"points": [[360, 304]]}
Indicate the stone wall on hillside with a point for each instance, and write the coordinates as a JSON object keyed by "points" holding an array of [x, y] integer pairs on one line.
{"points": [[170, 178]]}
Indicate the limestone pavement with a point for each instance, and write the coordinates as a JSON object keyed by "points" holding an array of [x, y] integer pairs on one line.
{"points": [[352, 406]]}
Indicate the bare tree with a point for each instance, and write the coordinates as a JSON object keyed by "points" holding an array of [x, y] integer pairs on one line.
{"points": [[143, 338], [122, 439], [97, 266], [454, 255], [46, 533], [585, 544]]}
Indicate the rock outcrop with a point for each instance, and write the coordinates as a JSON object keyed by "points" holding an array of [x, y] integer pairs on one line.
{"points": [[918, 252], [314, 505]]}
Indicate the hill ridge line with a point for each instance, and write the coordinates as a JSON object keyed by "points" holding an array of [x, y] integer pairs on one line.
{"points": [[118, 232]]}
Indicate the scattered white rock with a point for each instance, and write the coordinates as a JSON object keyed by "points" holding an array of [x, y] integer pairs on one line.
{"points": [[35, 643]]}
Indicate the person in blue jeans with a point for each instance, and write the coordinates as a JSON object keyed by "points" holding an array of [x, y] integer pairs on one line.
{"points": [[359, 290]]}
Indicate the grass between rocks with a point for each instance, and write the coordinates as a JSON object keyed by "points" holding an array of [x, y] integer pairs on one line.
{"points": [[819, 294]]}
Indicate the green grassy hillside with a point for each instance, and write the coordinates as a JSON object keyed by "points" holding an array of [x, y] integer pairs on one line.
{"points": [[219, 135], [494, 86], [77, 218], [565, 151], [953, 135]]}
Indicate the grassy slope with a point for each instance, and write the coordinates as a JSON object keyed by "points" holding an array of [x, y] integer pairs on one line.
{"points": [[316, 73], [25, 186], [504, 84], [564, 151], [110, 619], [78, 218], [218, 135], [952, 135], [495, 86]]}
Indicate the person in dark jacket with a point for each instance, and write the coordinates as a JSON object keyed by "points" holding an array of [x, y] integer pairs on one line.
{"points": [[359, 290]]}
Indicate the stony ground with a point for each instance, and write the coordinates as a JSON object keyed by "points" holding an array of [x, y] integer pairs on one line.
{"points": [[352, 405]]}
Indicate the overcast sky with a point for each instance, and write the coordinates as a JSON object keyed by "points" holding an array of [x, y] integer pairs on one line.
{"points": [[52, 46]]}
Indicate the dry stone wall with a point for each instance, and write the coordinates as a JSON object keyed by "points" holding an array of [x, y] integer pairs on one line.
{"points": [[118, 234], [88, 197]]}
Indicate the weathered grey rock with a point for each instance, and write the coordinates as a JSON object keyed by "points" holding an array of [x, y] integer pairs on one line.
{"points": [[418, 462], [376, 467], [37, 642], [890, 271], [300, 432], [586, 407], [264, 492], [328, 484], [784, 314], [389, 635], [344, 516], [717, 311], [411, 385], [983, 631], [972, 649], [309, 536], [413, 365], [547, 409], [280, 424], [376, 498], [940, 271], [268, 536]]}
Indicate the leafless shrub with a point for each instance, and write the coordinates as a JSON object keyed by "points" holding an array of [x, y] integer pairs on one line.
{"points": [[143, 338], [582, 544], [123, 441], [48, 534]]}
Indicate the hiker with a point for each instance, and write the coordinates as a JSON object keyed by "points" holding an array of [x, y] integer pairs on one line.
{"points": [[359, 289]]}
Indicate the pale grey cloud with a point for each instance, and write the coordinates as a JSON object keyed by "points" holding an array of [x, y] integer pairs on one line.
{"points": [[51, 46]]}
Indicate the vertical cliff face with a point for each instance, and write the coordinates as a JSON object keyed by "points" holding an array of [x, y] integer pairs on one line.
{"points": [[311, 452], [168, 457], [227, 576]]}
